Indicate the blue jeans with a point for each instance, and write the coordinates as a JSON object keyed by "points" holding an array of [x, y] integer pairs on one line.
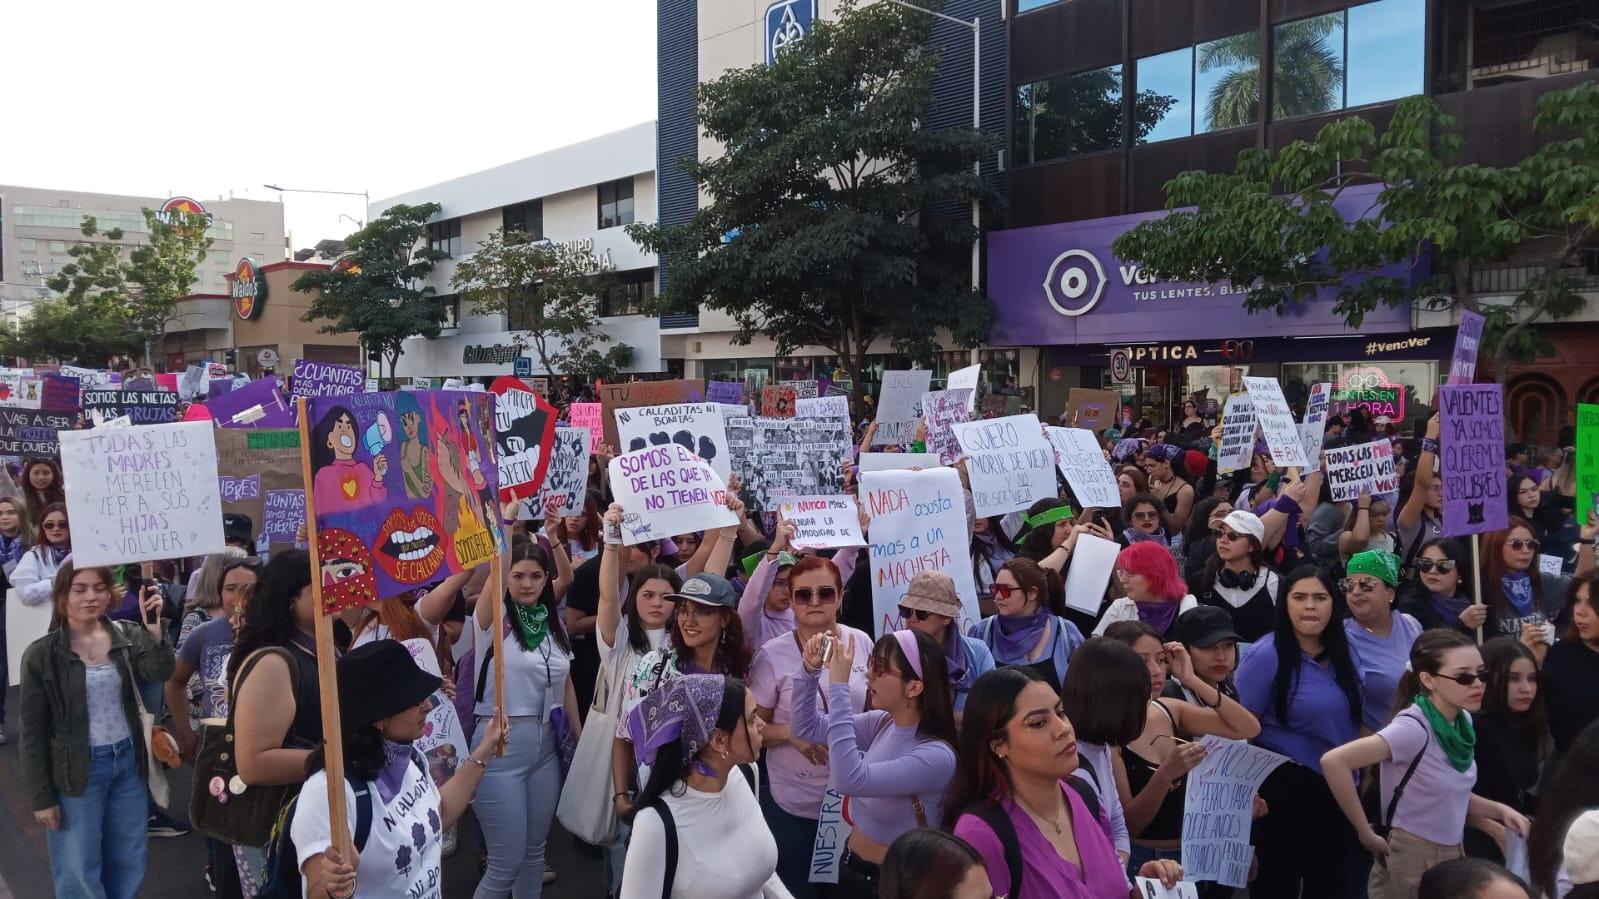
{"points": [[515, 806], [101, 849]]}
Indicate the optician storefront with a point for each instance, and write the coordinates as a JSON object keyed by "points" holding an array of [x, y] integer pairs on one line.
{"points": [[1062, 289]]}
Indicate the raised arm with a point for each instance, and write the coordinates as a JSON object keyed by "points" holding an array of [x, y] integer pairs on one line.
{"points": [[435, 603], [608, 614], [1220, 715], [1356, 536], [1426, 469]]}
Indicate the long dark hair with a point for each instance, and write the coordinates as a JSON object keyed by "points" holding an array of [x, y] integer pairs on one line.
{"points": [[937, 702], [1106, 693], [1499, 654], [1589, 579], [321, 455], [533, 552], [41, 545], [1199, 520], [1146, 499], [364, 756], [1494, 571], [636, 637], [923, 863], [670, 768], [1334, 646], [1456, 552], [589, 537], [731, 656], [1464, 878], [36, 501], [61, 586], [1036, 544], [1030, 575], [1213, 565], [979, 773], [1573, 790], [269, 613]]}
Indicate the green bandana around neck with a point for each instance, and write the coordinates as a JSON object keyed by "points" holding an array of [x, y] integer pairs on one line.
{"points": [[533, 623], [1459, 740]]}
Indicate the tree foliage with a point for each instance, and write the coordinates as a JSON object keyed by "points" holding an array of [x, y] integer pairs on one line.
{"points": [[816, 232], [1271, 223], [379, 292], [550, 295]]}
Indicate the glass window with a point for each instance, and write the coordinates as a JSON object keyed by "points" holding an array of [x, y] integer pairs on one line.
{"points": [[1387, 49], [616, 203], [1164, 108], [446, 237], [1402, 391], [452, 309], [627, 295], [526, 217], [1227, 82], [58, 246], [1025, 5], [27, 244], [1307, 73], [1069, 115]]}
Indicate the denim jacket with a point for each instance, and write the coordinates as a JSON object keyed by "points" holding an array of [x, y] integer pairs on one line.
{"points": [[55, 707]]}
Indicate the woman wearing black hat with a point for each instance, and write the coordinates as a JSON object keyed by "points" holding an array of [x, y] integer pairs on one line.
{"points": [[383, 704]]}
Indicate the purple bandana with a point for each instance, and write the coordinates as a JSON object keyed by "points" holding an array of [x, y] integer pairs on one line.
{"points": [[1448, 607], [1157, 615], [396, 758], [685, 707], [1014, 638]]}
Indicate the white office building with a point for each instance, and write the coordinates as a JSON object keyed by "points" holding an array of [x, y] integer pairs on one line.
{"points": [[581, 195]]}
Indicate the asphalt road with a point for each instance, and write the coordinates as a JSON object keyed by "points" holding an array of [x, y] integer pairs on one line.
{"points": [[177, 864]]}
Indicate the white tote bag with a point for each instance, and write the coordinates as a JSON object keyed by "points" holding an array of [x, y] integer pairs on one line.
{"points": [[587, 809]]}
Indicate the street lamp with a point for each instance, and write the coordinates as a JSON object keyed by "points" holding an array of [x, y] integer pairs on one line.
{"points": [[977, 114], [343, 193]]}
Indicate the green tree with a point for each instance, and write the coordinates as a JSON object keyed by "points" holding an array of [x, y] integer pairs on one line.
{"points": [[1309, 73], [549, 294], [56, 328], [815, 232], [1271, 223], [379, 292]]}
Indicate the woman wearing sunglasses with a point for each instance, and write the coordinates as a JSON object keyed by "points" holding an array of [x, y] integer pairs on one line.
{"points": [[797, 772], [1147, 523], [33, 575], [1029, 630], [1522, 599], [1236, 579], [932, 606], [1427, 769], [1380, 636], [1438, 593]]}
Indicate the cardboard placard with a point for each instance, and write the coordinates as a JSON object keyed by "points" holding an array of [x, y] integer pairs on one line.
{"points": [[899, 405], [1367, 467], [1219, 809], [1313, 430], [632, 394], [777, 401], [257, 404], [697, 427], [567, 477], [1093, 562], [1587, 460], [1468, 340], [1471, 447], [898, 461], [589, 416], [823, 522], [1237, 435], [966, 379], [142, 494], [142, 407], [829, 407], [665, 491], [1093, 409], [778, 458], [803, 390], [257, 468], [729, 393], [942, 410], [524, 434], [918, 523], [1083, 463], [313, 378], [1009, 463], [24, 432], [1276, 423]]}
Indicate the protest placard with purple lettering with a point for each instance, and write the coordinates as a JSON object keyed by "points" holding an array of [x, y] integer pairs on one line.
{"points": [[1471, 447], [665, 491], [588, 416], [258, 404], [313, 378]]}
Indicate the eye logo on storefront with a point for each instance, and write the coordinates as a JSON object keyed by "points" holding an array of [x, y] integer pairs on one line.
{"points": [[1075, 282]]}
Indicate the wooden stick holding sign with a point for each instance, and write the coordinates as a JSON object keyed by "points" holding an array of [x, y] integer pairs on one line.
{"points": [[327, 675], [496, 589], [1476, 578]]}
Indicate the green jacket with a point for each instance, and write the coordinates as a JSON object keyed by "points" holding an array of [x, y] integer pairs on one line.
{"points": [[55, 709]]}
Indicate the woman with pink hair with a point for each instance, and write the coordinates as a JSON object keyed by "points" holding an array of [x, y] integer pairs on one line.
{"points": [[1156, 594]]}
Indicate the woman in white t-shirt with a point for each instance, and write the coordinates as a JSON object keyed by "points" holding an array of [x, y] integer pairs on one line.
{"points": [[397, 618], [1427, 757], [383, 704]]}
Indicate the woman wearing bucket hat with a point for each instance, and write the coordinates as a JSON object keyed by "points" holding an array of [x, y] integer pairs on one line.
{"points": [[1237, 579], [932, 606], [1380, 635]]}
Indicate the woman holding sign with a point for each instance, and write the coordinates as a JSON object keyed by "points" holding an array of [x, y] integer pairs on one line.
{"points": [[1439, 593]]}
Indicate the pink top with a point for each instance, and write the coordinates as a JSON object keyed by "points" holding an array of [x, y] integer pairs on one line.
{"points": [[1044, 872], [346, 485], [762, 625], [797, 785]]}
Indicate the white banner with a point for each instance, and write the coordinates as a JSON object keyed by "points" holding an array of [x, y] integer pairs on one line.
{"points": [[1009, 462], [1369, 467], [823, 522], [1237, 434], [897, 405], [918, 523], [142, 494], [1276, 423], [1219, 809], [697, 427], [898, 461], [665, 491], [1083, 463], [1313, 430]]}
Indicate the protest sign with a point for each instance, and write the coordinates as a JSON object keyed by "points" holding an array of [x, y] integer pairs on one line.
{"points": [[1551, 565], [25, 432], [142, 494], [898, 461], [803, 390], [395, 508], [1587, 460], [143, 407], [88, 377], [1471, 447], [942, 409], [1237, 435], [918, 523], [258, 404], [588, 416], [524, 432], [1219, 807], [727, 392], [1150, 888], [283, 511], [1313, 430], [190, 382], [1092, 409], [1010, 463], [965, 379], [829, 407], [897, 405], [60, 395], [1368, 467], [1093, 562], [832, 838], [24, 624], [443, 742], [1276, 423], [777, 401], [666, 491], [697, 427], [313, 378], [1080, 459], [259, 475], [778, 458], [632, 394], [1463, 363], [823, 522], [566, 479]]}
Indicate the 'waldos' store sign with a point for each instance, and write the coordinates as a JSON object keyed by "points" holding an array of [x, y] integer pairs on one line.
{"points": [[495, 354], [249, 289]]}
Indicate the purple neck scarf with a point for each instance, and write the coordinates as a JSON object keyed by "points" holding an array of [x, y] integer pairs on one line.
{"points": [[1014, 638], [960, 668], [396, 758], [1448, 607], [1134, 535], [1158, 615]]}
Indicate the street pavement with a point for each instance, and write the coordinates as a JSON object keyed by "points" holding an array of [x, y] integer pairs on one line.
{"points": [[177, 864]]}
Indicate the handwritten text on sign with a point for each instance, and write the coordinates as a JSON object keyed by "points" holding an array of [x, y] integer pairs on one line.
{"points": [[1471, 441], [1313, 430], [567, 477], [1237, 434], [142, 494], [832, 836], [823, 522], [1587, 459], [1276, 423], [1368, 467], [918, 524], [1219, 808], [1010, 463], [665, 491], [1080, 459]]}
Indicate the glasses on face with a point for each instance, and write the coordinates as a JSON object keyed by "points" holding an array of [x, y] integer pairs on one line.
{"points": [[55, 525], [1428, 566], [1146, 515], [1223, 534], [1005, 591], [1466, 679], [1520, 544], [807, 596], [1358, 584], [693, 610], [918, 614]]}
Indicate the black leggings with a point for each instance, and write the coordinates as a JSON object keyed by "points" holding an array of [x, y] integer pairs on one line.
{"points": [[1304, 843]]}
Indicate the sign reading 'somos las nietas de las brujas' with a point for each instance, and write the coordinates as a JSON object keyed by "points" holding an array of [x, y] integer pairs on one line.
{"points": [[1064, 284]]}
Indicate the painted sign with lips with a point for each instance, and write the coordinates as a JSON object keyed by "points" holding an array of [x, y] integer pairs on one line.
{"points": [[405, 486], [524, 426]]}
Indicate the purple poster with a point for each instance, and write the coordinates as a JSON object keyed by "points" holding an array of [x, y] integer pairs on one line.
{"points": [[313, 378], [1463, 365], [405, 486], [282, 514], [258, 404], [729, 392], [1471, 458], [1063, 284], [59, 395]]}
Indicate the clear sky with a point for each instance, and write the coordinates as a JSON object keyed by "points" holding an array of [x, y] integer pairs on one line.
{"points": [[212, 99]]}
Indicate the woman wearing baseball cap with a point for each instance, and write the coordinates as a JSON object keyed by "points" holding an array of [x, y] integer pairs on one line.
{"points": [[1237, 579], [932, 606]]}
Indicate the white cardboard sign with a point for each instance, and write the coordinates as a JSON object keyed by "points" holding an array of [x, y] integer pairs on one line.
{"points": [[1313, 429], [697, 427], [1080, 459], [823, 522], [897, 405], [1009, 462], [918, 523], [665, 491], [1276, 423], [898, 461], [1368, 466], [1237, 434]]}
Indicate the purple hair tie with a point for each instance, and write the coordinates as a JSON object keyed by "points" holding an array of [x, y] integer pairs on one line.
{"points": [[907, 645]]}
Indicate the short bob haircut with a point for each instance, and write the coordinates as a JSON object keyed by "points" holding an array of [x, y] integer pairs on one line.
{"points": [[1106, 693]]}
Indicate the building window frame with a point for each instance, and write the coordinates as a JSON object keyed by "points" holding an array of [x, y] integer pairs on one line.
{"points": [[445, 236], [1025, 113], [628, 293], [452, 309], [615, 203], [517, 217]]}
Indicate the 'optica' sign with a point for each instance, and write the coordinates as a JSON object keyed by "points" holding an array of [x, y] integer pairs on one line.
{"points": [[249, 289]]}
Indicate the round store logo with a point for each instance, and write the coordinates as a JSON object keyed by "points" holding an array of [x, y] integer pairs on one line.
{"points": [[1075, 282]]}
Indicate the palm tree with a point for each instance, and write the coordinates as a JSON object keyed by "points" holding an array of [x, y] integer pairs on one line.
{"points": [[1308, 69]]}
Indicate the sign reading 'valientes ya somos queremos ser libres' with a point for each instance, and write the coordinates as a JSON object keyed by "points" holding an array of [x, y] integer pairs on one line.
{"points": [[1064, 284]]}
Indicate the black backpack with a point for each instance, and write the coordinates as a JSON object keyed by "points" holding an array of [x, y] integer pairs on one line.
{"points": [[283, 860], [670, 827], [992, 814]]}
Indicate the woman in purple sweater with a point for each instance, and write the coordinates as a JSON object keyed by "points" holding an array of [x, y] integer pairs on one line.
{"points": [[892, 763]]}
